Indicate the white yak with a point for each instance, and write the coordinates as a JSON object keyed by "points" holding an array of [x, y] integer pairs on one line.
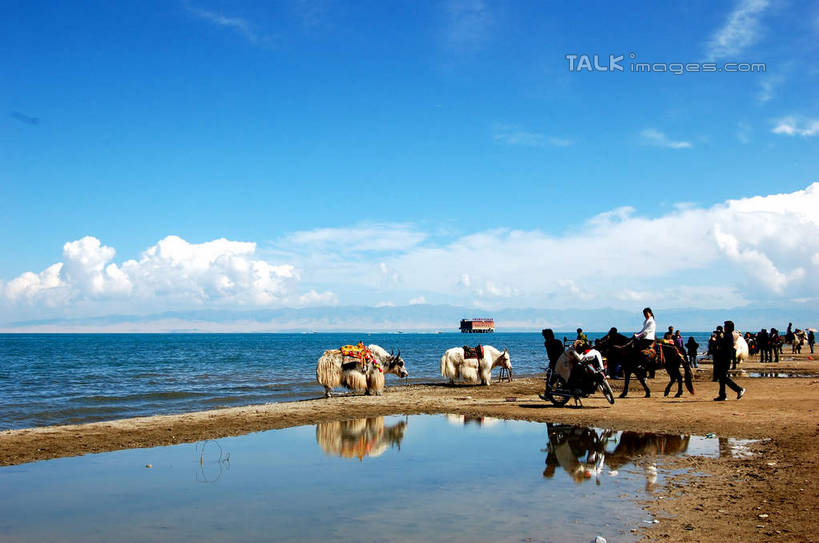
{"points": [[333, 371], [740, 347], [472, 370]]}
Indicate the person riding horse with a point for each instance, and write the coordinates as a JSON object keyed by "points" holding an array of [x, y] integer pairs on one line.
{"points": [[646, 337]]}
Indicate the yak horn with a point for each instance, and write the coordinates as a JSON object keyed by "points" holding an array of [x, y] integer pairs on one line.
{"points": [[399, 353]]}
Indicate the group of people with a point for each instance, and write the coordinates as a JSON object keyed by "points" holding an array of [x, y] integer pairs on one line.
{"points": [[721, 349], [769, 344]]}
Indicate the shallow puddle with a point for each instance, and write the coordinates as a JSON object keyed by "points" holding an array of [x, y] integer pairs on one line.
{"points": [[779, 375], [419, 478]]}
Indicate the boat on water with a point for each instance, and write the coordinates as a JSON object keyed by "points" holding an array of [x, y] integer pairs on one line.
{"points": [[482, 325]]}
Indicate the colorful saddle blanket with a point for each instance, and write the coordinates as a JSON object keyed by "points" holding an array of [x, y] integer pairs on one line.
{"points": [[473, 352], [360, 353]]}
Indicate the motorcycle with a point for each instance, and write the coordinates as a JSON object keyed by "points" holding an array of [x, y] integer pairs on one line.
{"points": [[585, 378]]}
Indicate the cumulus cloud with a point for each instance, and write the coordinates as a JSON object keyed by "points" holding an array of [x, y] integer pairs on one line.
{"points": [[30, 286], [656, 138], [319, 299], [791, 126], [743, 250], [761, 249], [741, 29], [172, 271]]}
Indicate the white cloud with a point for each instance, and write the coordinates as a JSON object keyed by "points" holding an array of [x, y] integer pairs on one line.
{"points": [[492, 290], [88, 268], [171, 273], [318, 299], [419, 300], [361, 238], [237, 24], [741, 30], [30, 286], [757, 250], [769, 253], [791, 126], [658, 139]]}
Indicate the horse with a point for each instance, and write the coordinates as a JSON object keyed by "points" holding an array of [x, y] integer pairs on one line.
{"points": [[472, 370], [619, 348], [333, 371]]}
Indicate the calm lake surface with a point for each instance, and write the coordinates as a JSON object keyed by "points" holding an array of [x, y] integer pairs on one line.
{"points": [[75, 378], [420, 478]]}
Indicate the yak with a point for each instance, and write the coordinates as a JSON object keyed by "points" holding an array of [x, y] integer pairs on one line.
{"points": [[332, 371]]}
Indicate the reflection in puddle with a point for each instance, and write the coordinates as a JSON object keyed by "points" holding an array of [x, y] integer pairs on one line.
{"points": [[434, 480], [458, 420], [213, 461], [779, 375], [584, 452], [359, 437]]}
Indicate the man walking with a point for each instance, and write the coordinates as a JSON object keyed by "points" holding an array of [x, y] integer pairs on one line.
{"points": [[763, 343], [722, 361]]}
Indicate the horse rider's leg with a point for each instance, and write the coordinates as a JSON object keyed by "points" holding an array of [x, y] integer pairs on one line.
{"points": [[627, 373]]}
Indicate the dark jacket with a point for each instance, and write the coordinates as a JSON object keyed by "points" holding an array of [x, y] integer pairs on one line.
{"points": [[554, 348]]}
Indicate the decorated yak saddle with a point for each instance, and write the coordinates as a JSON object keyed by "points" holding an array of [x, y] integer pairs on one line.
{"points": [[359, 355], [473, 352]]}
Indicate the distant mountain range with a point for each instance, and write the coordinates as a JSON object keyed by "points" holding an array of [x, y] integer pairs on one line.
{"points": [[419, 318]]}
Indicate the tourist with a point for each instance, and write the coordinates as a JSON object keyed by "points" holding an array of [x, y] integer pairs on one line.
{"points": [[725, 355], [775, 343], [811, 340], [554, 347], [669, 334], [678, 342], [692, 347], [764, 344], [581, 337], [645, 337]]}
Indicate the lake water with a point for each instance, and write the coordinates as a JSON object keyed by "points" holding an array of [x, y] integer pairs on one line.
{"points": [[420, 478], [75, 378]]}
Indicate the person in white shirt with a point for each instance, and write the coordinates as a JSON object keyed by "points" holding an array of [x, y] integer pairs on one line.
{"points": [[647, 335]]}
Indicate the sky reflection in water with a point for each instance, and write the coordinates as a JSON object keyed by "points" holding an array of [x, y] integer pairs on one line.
{"points": [[420, 478]]}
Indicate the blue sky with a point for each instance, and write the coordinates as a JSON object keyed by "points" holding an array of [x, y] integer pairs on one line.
{"points": [[387, 152]]}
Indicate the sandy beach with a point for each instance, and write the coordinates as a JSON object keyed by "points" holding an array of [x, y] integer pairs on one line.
{"points": [[768, 496]]}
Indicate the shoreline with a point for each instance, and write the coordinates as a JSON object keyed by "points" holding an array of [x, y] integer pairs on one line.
{"points": [[776, 481]]}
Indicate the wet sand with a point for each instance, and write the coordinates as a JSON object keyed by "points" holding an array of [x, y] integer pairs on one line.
{"points": [[731, 504]]}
